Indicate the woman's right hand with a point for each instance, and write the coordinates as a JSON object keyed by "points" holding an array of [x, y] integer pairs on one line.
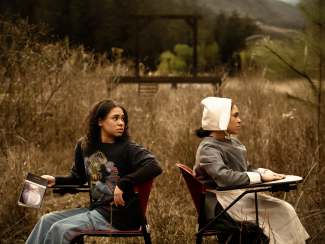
{"points": [[51, 180], [274, 176]]}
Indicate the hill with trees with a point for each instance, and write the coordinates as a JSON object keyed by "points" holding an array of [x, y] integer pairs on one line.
{"points": [[269, 12]]}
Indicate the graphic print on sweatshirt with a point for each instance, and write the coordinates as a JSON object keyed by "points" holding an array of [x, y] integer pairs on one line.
{"points": [[102, 176]]}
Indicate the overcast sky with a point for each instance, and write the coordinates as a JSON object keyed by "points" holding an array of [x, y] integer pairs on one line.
{"points": [[290, 1]]}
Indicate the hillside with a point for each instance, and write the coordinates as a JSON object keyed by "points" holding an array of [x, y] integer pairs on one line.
{"points": [[269, 12]]}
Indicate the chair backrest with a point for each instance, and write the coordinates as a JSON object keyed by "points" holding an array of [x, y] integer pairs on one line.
{"points": [[194, 185], [144, 191]]}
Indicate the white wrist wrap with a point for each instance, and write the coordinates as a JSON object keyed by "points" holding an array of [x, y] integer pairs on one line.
{"points": [[254, 177]]}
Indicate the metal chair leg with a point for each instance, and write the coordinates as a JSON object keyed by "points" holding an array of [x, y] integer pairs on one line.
{"points": [[199, 239], [147, 239], [256, 209]]}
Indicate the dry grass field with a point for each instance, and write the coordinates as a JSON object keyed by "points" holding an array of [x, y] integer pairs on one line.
{"points": [[47, 90]]}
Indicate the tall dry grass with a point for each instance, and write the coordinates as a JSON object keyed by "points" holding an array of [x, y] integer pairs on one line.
{"points": [[46, 91]]}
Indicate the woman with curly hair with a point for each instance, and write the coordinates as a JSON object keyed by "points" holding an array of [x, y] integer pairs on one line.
{"points": [[112, 164]]}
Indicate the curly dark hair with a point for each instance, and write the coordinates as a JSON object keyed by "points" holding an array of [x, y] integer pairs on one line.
{"points": [[92, 129]]}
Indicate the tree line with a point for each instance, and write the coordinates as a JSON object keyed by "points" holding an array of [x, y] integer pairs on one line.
{"points": [[101, 25]]}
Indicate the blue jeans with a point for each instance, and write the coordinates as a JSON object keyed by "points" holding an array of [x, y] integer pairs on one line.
{"points": [[60, 227]]}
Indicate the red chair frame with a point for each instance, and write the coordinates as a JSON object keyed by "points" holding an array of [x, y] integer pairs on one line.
{"points": [[142, 192], [198, 191]]}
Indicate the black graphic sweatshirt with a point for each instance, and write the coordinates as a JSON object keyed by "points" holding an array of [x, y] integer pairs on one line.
{"points": [[105, 165]]}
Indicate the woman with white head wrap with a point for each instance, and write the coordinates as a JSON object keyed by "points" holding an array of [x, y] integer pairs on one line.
{"points": [[221, 161]]}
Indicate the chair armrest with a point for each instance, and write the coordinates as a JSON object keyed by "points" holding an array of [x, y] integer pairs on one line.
{"points": [[276, 185], [71, 189]]}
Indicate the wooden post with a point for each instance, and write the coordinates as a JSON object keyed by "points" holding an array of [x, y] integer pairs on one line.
{"points": [[137, 31], [194, 47]]}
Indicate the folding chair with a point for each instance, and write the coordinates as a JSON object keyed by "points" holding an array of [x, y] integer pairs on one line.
{"points": [[142, 192], [198, 192]]}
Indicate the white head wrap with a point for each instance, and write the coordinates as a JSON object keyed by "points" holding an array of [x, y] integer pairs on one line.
{"points": [[216, 113]]}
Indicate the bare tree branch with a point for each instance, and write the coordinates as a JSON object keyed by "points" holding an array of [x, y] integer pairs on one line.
{"points": [[301, 100], [293, 68], [54, 91]]}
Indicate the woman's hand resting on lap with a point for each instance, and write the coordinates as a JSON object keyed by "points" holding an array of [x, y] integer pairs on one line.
{"points": [[118, 199], [51, 180], [272, 176]]}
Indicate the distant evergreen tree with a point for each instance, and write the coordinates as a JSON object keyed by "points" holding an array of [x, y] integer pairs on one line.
{"points": [[230, 33], [22, 7]]}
